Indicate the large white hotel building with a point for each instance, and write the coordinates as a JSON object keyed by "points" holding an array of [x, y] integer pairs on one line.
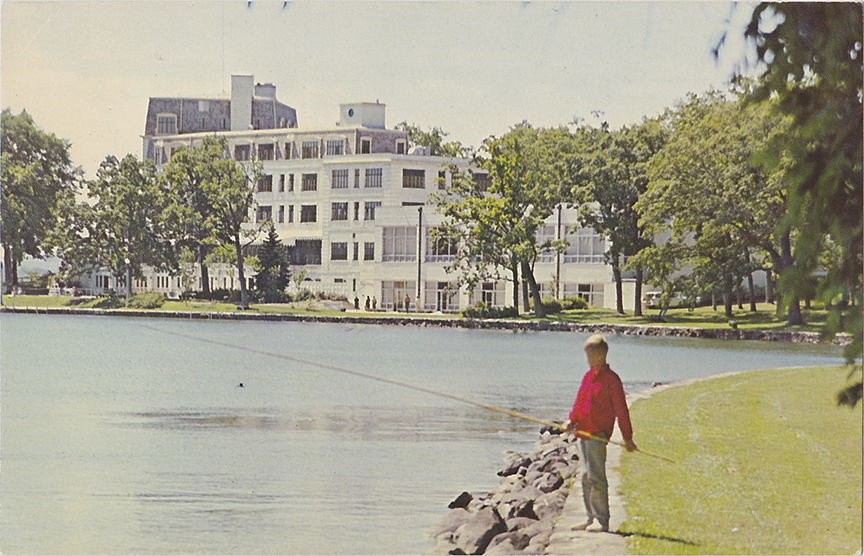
{"points": [[352, 204]]}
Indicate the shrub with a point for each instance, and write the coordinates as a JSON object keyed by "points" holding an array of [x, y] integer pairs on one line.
{"points": [[303, 295], [147, 301], [551, 306], [480, 310], [218, 294], [571, 303], [110, 302]]}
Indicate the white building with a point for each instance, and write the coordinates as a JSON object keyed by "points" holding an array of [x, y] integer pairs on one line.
{"points": [[352, 203]]}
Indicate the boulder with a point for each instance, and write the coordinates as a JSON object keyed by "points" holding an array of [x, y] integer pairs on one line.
{"points": [[474, 536], [508, 543], [461, 501], [550, 504], [513, 465], [451, 521], [518, 523], [549, 482]]}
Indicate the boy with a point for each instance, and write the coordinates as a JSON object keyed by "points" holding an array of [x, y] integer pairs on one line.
{"points": [[598, 404]]}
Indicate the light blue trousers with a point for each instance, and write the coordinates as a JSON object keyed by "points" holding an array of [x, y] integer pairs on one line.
{"points": [[595, 487]]}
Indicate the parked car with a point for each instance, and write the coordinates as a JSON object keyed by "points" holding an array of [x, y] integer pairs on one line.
{"points": [[654, 300]]}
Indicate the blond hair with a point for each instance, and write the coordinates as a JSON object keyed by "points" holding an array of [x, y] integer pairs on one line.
{"points": [[596, 343]]}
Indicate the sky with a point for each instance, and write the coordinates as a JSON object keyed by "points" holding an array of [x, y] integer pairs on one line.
{"points": [[85, 70]]}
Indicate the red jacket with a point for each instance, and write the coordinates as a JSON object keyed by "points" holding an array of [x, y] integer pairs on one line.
{"points": [[599, 402]]}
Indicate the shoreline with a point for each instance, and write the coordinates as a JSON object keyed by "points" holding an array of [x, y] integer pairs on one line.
{"points": [[497, 324]]}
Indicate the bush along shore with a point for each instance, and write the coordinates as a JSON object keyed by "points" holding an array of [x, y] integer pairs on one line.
{"points": [[419, 320], [517, 517]]}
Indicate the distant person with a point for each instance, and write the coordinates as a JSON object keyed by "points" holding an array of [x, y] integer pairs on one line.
{"points": [[356, 303], [407, 303], [374, 303], [368, 303], [598, 404]]}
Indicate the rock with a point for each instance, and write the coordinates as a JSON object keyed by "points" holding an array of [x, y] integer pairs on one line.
{"points": [[508, 543], [517, 523], [513, 465], [461, 501], [451, 521], [474, 536], [549, 482], [549, 504]]}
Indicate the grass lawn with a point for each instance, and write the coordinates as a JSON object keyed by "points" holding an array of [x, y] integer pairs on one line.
{"points": [[766, 464]]}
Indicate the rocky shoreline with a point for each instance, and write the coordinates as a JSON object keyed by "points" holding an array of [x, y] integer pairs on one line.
{"points": [[518, 517], [419, 320]]}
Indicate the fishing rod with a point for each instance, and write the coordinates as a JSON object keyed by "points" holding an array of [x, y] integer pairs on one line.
{"points": [[394, 382]]}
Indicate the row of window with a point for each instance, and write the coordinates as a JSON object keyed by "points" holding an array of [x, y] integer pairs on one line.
{"points": [[413, 179], [306, 149], [339, 251], [309, 213]]}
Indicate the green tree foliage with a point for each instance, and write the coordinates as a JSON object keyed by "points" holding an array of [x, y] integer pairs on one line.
{"points": [[434, 140], [814, 68], [273, 270], [717, 204], [531, 171], [190, 210], [122, 226], [615, 174], [38, 185]]}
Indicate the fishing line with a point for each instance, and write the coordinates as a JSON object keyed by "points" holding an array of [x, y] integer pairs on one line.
{"points": [[394, 382]]}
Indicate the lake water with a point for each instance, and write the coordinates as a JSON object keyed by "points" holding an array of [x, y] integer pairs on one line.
{"points": [[117, 438]]}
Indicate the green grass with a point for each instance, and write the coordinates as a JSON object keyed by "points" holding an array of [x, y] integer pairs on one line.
{"points": [[703, 317], [766, 464]]}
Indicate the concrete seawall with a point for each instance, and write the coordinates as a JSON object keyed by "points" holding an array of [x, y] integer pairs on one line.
{"points": [[517, 325]]}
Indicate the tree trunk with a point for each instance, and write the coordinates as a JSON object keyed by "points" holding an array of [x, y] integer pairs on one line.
{"points": [[515, 270], [769, 286], [793, 316], [205, 272], [526, 304], [10, 270], [752, 289], [128, 283], [727, 298], [637, 302], [535, 291], [619, 293], [244, 299]]}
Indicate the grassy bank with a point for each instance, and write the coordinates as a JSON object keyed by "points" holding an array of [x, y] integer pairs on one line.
{"points": [[765, 318], [766, 464]]}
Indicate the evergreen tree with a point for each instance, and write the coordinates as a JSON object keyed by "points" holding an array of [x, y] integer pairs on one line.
{"points": [[273, 273]]}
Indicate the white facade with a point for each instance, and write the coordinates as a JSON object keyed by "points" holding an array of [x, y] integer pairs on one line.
{"points": [[353, 205]]}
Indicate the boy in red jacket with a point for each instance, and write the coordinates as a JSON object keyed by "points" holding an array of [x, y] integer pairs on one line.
{"points": [[598, 404]]}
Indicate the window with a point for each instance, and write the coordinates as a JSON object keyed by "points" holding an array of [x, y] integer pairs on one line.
{"points": [[365, 146], [414, 179], [483, 181], [265, 184], [592, 293], [490, 293], [357, 177], [288, 149], [356, 211], [265, 152], [265, 214], [369, 251], [203, 105], [306, 251], [335, 147], [442, 180], [546, 234], [308, 213], [373, 177], [399, 244], [241, 152], [290, 182], [441, 296], [356, 251], [400, 146], [309, 182], [166, 124], [340, 179], [586, 246], [281, 183], [290, 213], [339, 211], [281, 214], [369, 209], [339, 251], [393, 294], [440, 245], [309, 149]]}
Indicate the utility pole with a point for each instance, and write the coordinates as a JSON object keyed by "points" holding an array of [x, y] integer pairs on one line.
{"points": [[419, 254], [558, 258]]}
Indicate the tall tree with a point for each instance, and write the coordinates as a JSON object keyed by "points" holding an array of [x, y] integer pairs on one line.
{"points": [[531, 171], [38, 183], [813, 65], [190, 210], [273, 270], [705, 187], [616, 176], [121, 227], [230, 192]]}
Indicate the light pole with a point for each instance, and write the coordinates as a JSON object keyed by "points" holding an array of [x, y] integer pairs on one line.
{"points": [[419, 253]]}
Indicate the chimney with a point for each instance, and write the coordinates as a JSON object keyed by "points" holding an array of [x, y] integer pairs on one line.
{"points": [[242, 87], [266, 90]]}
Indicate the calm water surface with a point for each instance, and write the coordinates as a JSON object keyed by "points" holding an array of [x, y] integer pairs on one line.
{"points": [[120, 439]]}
